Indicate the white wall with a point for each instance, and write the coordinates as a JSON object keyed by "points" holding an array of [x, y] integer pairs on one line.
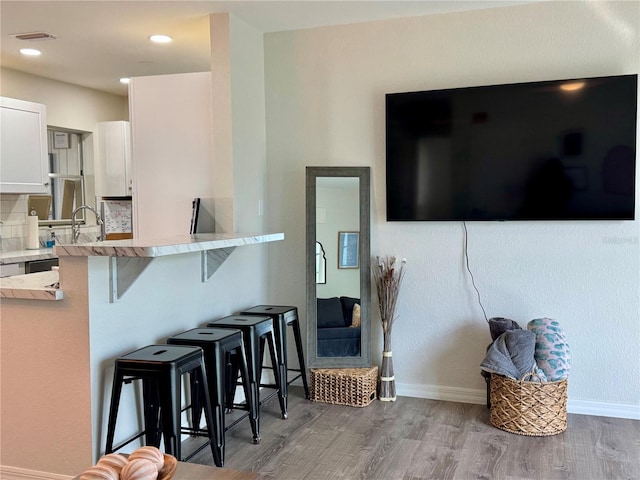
{"points": [[170, 150], [248, 126], [325, 106], [239, 132]]}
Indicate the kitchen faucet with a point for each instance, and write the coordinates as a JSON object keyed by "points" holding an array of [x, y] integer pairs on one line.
{"points": [[75, 228]]}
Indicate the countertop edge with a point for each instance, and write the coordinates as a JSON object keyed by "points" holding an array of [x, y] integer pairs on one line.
{"points": [[164, 246], [19, 256], [32, 286], [32, 293]]}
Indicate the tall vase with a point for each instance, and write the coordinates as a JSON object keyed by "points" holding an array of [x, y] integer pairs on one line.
{"points": [[387, 378]]}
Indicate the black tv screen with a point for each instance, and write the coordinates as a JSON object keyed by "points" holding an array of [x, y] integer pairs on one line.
{"points": [[552, 150]]}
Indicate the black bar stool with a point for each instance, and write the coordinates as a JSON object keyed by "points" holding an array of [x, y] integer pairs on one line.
{"points": [[255, 331], [283, 317], [218, 344], [160, 367]]}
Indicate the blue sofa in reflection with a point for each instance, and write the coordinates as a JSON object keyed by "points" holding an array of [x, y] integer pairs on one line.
{"points": [[338, 334]]}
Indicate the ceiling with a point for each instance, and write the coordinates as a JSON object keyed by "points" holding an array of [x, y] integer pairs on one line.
{"points": [[98, 42]]}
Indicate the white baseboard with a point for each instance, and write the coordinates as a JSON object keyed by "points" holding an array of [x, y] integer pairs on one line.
{"points": [[479, 396], [601, 409], [14, 473]]}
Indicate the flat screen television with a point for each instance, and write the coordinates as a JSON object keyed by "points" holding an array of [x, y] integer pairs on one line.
{"points": [[551, 150]]}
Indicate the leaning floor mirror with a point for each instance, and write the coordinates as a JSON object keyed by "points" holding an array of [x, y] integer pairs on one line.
{"points": [[337, 264]]}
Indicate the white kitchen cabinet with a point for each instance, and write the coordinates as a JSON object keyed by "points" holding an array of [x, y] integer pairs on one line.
{"points": [[23, 147], [113, 160]]}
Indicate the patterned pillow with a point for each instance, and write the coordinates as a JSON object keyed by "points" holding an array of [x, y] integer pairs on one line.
{"points": [[355, 316]]}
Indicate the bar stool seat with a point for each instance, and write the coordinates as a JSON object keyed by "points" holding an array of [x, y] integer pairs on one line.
{"points": [[255, 331], [283, 317], [218, 344], [160, 367]]}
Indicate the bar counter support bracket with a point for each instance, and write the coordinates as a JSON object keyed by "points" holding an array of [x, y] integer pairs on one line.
{"points": [[212, 259], [123, 271]]}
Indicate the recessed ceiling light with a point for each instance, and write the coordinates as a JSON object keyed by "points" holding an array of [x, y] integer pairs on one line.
{"points": [[160, 38], [32, 52], [125, 80]]}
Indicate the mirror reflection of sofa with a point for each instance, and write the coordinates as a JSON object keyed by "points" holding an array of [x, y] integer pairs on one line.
{"points": [[338, 322]]}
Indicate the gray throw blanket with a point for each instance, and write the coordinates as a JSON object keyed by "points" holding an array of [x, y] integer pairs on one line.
{"points": [[499, 325], [512, 355]]}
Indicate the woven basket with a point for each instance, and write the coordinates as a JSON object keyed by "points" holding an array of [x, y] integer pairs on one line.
{"points": [[528, 407], [355, 387]]}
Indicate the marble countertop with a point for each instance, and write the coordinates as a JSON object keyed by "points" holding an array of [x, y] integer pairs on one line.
{"points": [[32, 286], [19, 256], [150, 248]]}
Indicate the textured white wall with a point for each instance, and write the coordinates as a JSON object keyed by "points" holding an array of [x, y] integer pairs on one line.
{"points": [[325, 106], [248, 126]]}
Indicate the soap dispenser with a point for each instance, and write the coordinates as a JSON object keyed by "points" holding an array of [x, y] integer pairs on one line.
{"points": [[51, 237]]}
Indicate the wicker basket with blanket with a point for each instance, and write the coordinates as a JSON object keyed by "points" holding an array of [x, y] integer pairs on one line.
{"points": [[528, 407]]}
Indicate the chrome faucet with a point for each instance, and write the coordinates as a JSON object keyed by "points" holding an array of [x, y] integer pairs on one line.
{"points": [[75, 228]]}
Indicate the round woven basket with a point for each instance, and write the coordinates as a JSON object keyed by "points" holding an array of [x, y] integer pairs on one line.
{"points": [[528, 407]]}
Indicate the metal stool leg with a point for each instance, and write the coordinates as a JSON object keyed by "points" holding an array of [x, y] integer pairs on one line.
{"points": [[195, 384], [170, 413], [118, 379], [249, 395], [282, 392], [151, 403], [214, 424]]}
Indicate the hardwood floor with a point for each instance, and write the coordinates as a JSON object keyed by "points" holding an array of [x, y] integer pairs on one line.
{"points": [[413, 439]]}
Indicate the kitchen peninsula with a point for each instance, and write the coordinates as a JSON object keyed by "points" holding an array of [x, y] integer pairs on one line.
{"points": [[57, 357], [130, 257]]}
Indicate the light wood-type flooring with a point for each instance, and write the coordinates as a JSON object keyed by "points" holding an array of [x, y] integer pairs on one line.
{"points": [[413, 439]]}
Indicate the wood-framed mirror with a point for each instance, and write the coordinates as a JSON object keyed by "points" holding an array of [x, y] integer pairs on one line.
{"points": [[339, 310]]}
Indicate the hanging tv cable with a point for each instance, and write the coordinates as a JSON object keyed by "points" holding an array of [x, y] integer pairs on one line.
{"points": [[473, 281]]}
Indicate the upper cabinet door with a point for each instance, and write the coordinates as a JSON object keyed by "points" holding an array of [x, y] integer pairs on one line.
{"points": [[113, 159], [23, 147]]}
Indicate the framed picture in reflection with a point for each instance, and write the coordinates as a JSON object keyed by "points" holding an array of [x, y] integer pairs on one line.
{"points": [[348, 249]]}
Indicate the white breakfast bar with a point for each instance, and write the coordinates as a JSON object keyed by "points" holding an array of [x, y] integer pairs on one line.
{"points": [[128, 258], [113, 297]]}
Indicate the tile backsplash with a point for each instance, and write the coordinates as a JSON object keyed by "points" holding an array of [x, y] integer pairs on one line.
{"points": [[13, 215], [13, 230]]}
